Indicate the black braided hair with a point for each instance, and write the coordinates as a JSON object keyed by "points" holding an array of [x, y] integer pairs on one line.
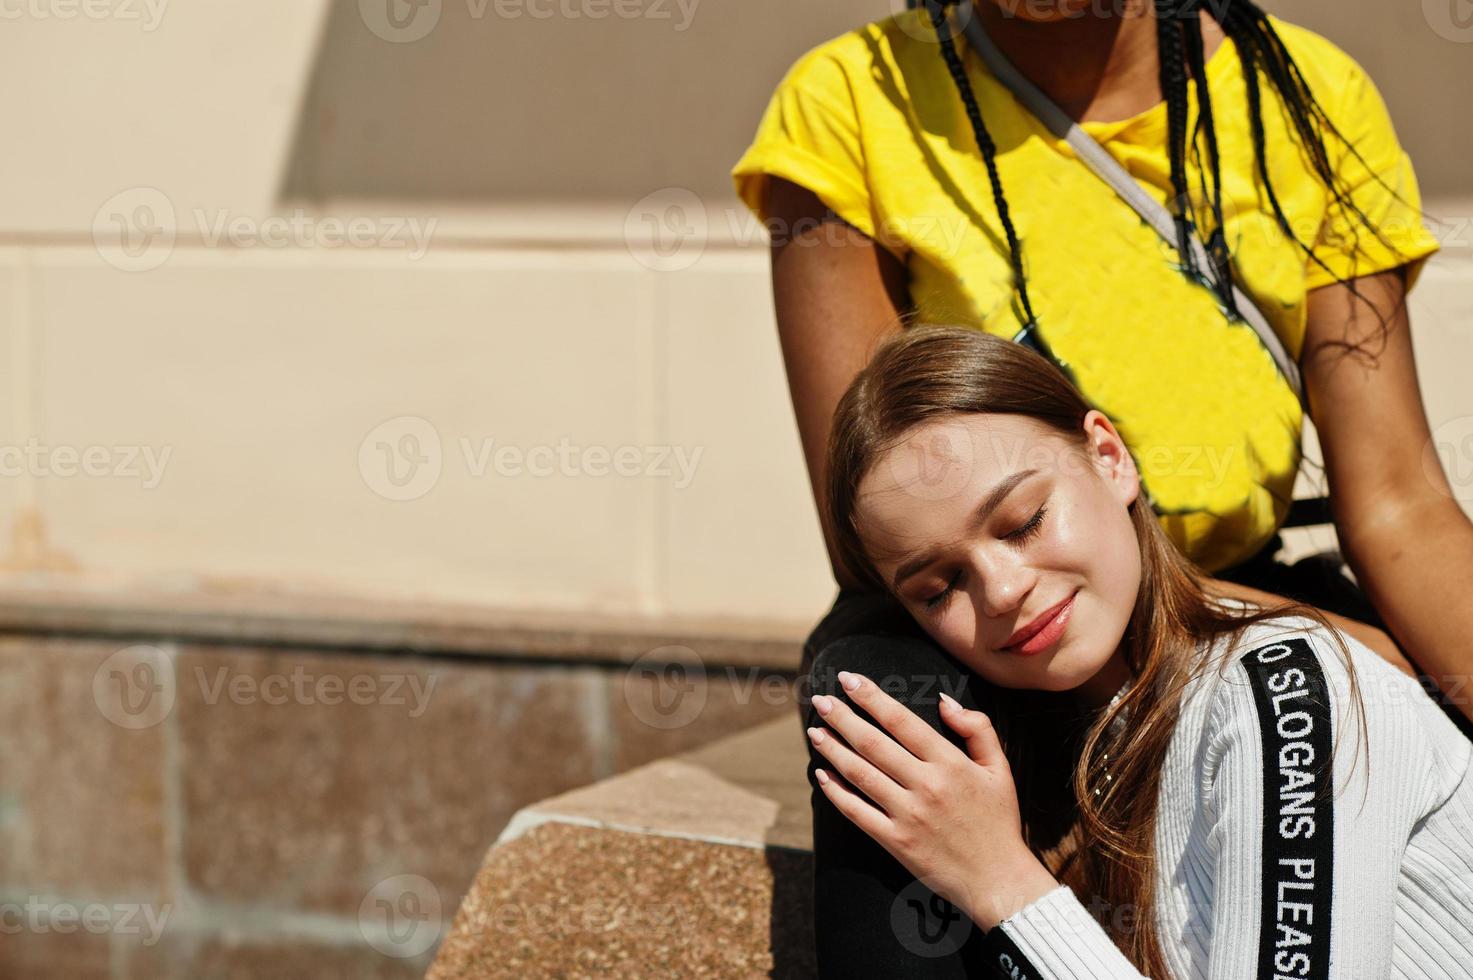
{"points": [[1169, 44], [1180, 50], [1179, 43], [989, 152]]}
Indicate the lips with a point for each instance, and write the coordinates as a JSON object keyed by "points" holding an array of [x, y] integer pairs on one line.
{"points": [[1037, 625]]}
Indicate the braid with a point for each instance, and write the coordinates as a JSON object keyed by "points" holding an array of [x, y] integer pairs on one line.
{"points": [[1217, 250], [1174, 90], [1261, 49], [1179, 43], [937, 10]]}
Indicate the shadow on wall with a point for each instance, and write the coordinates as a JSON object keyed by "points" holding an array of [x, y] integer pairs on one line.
{"points": [[470, 101], [523, 100]]}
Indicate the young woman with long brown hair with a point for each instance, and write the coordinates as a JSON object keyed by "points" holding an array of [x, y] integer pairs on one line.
{"points": [[1256, 793]]}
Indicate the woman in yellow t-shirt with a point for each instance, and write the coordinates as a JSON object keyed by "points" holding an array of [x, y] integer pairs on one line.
{"points": [[902, 182]]}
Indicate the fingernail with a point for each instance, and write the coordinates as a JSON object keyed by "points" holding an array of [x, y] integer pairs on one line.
{"points": [[822, 704], [823, 777], [849, 681], [816, 734], [949, 699]]}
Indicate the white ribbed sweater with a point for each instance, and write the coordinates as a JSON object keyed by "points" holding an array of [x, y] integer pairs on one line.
{"points": [[1377, 882]]}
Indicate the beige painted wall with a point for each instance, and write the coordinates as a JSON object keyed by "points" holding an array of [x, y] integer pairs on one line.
{"points": [[235, 103], [520, 107], [327, 418]]}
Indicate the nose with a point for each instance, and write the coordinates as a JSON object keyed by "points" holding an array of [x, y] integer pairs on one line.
{"points": [[1000, 583]]}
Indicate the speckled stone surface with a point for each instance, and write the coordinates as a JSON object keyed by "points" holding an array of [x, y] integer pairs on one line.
{"points": [[695, 865], [573, 901]]}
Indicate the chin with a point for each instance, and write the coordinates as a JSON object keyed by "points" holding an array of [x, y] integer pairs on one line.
{"points": [[1049, 683], [1065, 669]]}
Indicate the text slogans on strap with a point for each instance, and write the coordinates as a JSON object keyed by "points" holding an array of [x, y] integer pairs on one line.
{"points": [[1298, 813]]}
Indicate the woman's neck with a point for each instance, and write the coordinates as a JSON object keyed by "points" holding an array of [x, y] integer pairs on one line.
{"points": [[1098, 65], [1095, 694]]}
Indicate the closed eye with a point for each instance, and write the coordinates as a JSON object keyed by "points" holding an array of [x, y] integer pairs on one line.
{"points": [[946, 593], [1031, 528], [1021, 534]]}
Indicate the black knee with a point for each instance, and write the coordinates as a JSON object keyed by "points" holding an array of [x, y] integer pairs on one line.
{"points": [[912, 670]]}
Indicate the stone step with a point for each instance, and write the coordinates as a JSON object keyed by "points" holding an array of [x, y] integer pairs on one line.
{"points": [[699, 864]]}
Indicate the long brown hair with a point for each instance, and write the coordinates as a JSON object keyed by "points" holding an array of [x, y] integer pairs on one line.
{"points": [[1097, 839]]}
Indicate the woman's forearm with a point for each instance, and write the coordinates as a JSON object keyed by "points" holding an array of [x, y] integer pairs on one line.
{"points": [[1416, 565]]}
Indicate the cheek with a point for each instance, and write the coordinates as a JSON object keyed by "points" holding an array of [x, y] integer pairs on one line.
{"points": [[955, 631], [1096, 539], [1116, 571], [1079, 537]]}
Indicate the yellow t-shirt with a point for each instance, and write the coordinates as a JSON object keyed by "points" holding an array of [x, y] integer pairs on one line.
{"points": [[873, 124]]}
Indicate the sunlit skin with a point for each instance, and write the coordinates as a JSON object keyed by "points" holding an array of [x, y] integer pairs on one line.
{"points": [[1061, 529], [950, 815]]}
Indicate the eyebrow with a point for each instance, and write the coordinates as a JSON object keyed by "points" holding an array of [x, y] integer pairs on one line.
{"points": [[989, 504]]}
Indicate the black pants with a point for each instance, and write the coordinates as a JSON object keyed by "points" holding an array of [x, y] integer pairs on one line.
{"points": [[871, 917]]}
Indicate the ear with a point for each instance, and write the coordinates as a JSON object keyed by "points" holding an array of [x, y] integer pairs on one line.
{"points": [[1117, 466]]}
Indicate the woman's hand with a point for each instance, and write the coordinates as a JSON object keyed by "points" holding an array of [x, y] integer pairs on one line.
{"points": [[951, 817]]}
